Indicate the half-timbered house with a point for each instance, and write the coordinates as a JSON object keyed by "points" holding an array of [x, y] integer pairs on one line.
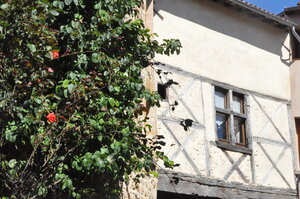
{"points": [[230, 104], [228, 118]]}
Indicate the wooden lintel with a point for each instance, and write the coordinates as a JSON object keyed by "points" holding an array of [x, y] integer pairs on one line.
{"points": [[208, 187]]}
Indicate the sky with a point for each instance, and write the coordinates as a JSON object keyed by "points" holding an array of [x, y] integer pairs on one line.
{"points": [[274, 6]]}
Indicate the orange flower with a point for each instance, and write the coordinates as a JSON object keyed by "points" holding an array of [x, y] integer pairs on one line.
{"points": [[51, 117], [55, 54]]}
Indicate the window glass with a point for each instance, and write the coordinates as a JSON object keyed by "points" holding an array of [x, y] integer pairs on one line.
{"points": [[221, 125], [220, 99], [239, 130], [238, 104]]}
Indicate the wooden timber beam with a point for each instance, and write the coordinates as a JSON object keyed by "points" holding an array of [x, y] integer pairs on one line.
{"points": [[207, 187]]}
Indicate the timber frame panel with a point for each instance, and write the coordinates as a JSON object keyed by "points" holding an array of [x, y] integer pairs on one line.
{"points": [[253, 182]]}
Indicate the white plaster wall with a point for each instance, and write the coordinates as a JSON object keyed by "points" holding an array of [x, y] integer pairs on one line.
{"points": [[268, 120], [225, 45], [188, 94], [232, 47]]}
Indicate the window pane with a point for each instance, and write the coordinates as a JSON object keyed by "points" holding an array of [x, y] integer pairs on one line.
{"points": [[238, 103], [221, 125], [220, 99], [239, 130]]}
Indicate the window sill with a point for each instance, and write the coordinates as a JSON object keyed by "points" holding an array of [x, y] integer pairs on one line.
{"points": [[234, 148]]}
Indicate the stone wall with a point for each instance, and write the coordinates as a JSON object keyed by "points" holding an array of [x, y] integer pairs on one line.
{"points": [[146, 189]]}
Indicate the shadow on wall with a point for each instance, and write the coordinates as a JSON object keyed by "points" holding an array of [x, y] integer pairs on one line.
{"points": [[167, 195], [217, 17]]}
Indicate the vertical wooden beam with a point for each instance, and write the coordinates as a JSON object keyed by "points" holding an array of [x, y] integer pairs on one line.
{"points": [[206, 143], [232, 138], [252, 162], [249, 140]]}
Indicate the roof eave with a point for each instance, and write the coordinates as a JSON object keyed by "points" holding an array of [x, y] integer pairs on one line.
{"points": [[291, 9], [263, 13]]}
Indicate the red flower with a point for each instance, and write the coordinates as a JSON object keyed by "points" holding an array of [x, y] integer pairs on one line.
{"points": [[55, 54], [51, 117]]}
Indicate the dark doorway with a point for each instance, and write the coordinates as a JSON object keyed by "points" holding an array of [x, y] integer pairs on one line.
{"points": [[168, 195]]}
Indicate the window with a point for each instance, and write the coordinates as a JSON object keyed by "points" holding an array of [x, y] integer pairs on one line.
{"points": [[231, 118]]}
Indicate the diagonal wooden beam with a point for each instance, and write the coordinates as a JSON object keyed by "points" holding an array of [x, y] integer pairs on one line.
{"points": [[273, 164], [186, 106], [179, 95], [182, 93], [268, 174], [235, 167], [183, 151], [184, 144], [270, 119]]}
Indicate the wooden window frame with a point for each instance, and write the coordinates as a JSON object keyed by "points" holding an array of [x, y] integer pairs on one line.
{"points": [[244, 143], [231, 142]]}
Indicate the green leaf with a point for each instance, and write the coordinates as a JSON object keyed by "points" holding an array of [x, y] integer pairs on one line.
{"points": [[100, 163], [68, 2], [12, 163], [38, 101], [117, 88], [95, 58], [31, 47], [10, 137], [111, 101], [42, 191], [54, 12], [66, 93], [155, 174], [4, 6], [76, 2], [71, 87], [126, 130], [75, 166], [65, 83]]}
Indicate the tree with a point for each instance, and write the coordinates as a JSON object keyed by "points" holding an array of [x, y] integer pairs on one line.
{"points": [[70, 87]]}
